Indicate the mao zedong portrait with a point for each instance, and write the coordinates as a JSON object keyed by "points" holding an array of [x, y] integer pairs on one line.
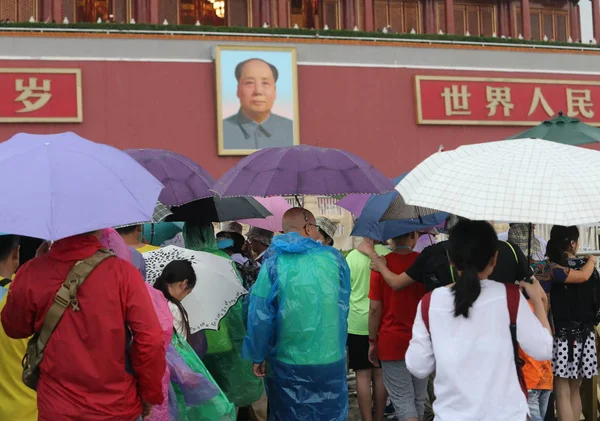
{"points": [[255, 126]]}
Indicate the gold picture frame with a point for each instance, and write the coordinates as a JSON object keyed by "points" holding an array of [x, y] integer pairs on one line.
{"points": [[235, 129]]}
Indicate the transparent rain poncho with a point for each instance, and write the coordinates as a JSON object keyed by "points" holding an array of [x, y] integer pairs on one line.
{"points": [[297, 322], [196, 399], [223, 358]]}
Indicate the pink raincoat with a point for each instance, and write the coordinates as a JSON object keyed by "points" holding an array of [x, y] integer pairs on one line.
{"points": [[113, 241], [160, 412]]}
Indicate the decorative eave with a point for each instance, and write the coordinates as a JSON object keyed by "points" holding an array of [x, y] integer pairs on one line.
{"points": [[284, 34]]}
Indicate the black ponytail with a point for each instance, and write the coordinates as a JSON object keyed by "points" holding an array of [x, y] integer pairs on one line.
{"points": [[471, 246], [560, 242], [177, 271], [466, 290]]}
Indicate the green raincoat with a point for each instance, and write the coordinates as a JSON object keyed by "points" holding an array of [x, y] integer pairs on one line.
{"points": [[223, 359]]}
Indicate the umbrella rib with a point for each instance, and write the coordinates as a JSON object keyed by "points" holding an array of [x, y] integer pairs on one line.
{"points": [[50, 177]]}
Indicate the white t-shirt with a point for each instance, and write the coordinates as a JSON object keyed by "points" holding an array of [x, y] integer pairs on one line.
{"points": [[177, 320], [473, 359]]}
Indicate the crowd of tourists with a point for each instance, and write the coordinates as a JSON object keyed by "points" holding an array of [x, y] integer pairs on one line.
{"points": [[446, 334], [435, 331], [131, 322]]}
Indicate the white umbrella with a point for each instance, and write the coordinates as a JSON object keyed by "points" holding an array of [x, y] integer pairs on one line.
{"points": [[522, 180], [217, 289]]}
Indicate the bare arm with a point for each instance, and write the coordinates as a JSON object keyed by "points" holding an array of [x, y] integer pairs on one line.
{"points": [[395, 281], [538, 299], [534, 336], [375, 311]]}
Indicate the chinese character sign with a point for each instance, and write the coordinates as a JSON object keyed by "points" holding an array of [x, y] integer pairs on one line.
{"points": [[503, 101], [40, 95]]}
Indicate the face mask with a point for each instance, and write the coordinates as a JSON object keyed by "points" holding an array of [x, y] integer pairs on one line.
{"points": [[224, 243]]}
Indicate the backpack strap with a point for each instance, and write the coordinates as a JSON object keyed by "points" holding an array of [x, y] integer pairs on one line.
{"points": [[514, 252], [67, 293], [513, 296], [425, 303]]}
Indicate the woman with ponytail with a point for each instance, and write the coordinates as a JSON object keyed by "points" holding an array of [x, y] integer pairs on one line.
{"points": [[176, 282], [574, 285], [465, 336]]}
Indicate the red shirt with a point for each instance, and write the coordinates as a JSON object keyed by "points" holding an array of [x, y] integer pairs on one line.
{"points": [[83, 374], [399, 308]]}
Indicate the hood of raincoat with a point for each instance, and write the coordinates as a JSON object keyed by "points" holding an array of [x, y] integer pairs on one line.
{"points": [[292, 243], [200, 236], [74, 248], [115, 243]]}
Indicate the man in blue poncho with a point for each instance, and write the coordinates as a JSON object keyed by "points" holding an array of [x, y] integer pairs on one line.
{"points": [[297, 324]]}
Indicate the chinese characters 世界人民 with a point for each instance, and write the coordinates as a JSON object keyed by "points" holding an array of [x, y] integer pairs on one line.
{"points": [[498, 100]]}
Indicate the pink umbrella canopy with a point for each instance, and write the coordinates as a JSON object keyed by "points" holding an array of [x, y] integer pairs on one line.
{"points": [[277, 206]]}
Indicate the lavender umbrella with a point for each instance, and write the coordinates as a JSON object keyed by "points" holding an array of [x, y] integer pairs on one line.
{"points": [[354, 203], [187, 189], [59, 185], [301, 170], [184, 180]]}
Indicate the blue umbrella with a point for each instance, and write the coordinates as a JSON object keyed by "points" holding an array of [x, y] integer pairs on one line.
{"points": [[56, 186], [368, 225]]}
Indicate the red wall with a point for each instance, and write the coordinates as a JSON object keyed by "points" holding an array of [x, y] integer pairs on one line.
{"points": [[368, 111]]}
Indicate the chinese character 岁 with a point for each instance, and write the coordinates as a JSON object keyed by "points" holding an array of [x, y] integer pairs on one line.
{"points": [[41, 94]]}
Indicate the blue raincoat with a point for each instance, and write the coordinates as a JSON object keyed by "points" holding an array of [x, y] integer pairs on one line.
{"points": [[297, 322]]}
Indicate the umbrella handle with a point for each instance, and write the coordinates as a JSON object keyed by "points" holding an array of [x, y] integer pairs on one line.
{"points": [[300, 204], [529, 241]]}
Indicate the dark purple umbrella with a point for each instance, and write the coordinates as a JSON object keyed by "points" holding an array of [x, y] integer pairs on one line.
{"points": [[184, 180], [301, 170]]}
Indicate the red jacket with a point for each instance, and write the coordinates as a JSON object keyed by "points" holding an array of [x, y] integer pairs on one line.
{"points": [[83, 375]]}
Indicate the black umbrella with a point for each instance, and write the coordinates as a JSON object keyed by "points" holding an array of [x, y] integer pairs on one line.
{"points": [[215, 209]]}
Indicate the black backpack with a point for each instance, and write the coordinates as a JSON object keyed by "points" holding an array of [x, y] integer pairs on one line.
{"points": [[438, 272]]}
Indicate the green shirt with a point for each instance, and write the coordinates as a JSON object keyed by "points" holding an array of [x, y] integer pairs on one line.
{"points": [[360, 281]]}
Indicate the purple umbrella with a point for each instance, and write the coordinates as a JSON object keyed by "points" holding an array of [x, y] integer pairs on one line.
{"points": [[354, 203], [301, 170], [59, 185], [184, 180]]}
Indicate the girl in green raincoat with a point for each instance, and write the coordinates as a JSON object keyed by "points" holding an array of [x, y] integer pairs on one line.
{"points": [[223, 359]]}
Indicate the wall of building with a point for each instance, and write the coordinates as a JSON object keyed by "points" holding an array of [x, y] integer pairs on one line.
{"points": [[367, 111], [161, 94]]}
